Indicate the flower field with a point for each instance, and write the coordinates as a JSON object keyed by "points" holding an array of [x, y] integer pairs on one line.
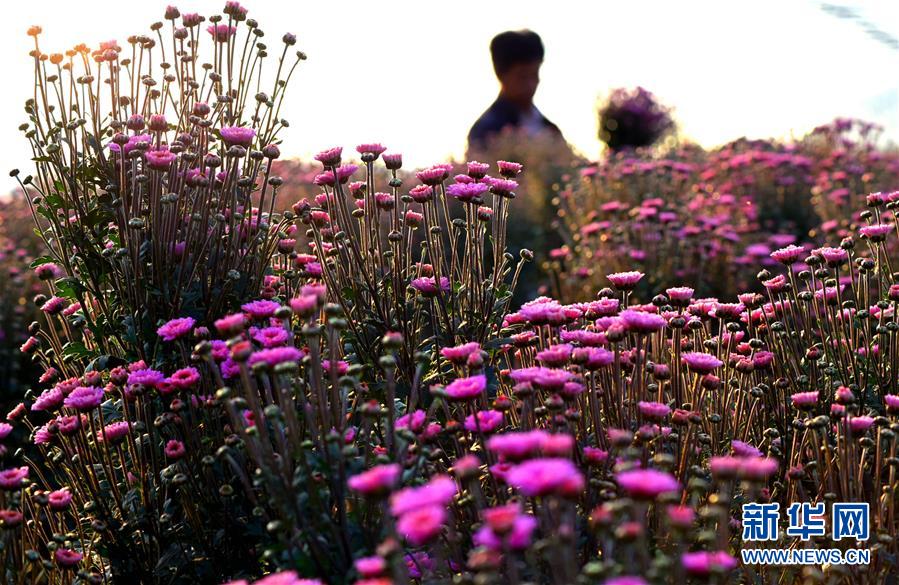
{"points": [[226, 367]]}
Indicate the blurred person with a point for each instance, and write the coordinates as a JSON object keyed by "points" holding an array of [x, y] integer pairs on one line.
{"points": [[517, 57]]}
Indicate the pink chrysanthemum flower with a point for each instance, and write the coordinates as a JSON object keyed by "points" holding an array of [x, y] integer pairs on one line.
{"points": [[84, 398], [66, 557], [509, 169], [59, 500], [487, 422], [505, 526], [542, 477], [701, 363], [642, 322], [185, 378], [742, 449], [222, 33], [13, 478], [231, 324], [646, 484], [271, 336], [276, 355], [176, 328], [161, 159], [654, 410], [459, 354], [466, 388], [467, 192], [758, 468], [114, 432], [704, 563], [374, 149], [261, 309], [54, 305], [517, 446], [146, 377], [238, 135], [805, 400], [421, 525], [427, 285], [625, 280], [174, 450], [789, 255], [329, 157], [437, 492], [377, 481], [49, 399]]}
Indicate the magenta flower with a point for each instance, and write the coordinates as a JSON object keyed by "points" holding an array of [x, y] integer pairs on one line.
{"points": [[377, 481], [49, 399], [427, 285], [542, 477], [374, 149], [329, 157], [704, 563], [789, 255], [742, 449], [646, 484], [701, 363], [238, 135], [508, 169], [84, 398], [59, 500], [517, 446], [833, 256], [859, 425], [758, 468], [271, 336], [517, 535], [261, 309], [625, 280], [805, 400], [466, 388], [276, 355], [185, 378], [891, 401], [114, 432], [231, 324], [459, 354], [145, 377], [13, 478], [641, 322], [593, 358], [176, 328], [421, 525], [467, 192], [488, 421], [437, 492], [174, 450], [222, 33], [160, 160], [876, 232], [654, 410], [67, 558], [54, 305]]}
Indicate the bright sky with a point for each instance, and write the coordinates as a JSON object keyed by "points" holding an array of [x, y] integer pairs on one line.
{"points": [[415, 74]]}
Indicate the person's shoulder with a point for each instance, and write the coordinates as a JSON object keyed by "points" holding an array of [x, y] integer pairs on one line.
{"points": [[494, 119]]}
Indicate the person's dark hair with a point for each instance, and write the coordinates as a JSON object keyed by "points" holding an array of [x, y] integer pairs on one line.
{"points": [[513, 47]]}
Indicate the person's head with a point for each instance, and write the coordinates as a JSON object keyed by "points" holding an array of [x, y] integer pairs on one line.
{"points": [[517, 56]]}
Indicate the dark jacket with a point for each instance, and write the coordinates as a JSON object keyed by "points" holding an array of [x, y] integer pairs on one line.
{"points": [[501, 114]]}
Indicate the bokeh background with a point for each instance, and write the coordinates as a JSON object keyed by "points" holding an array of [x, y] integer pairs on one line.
{"points": [[415, 74]]}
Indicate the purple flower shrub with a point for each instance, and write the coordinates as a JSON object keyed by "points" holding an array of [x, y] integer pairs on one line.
{"points": [[153, 186], [712, 219], [633, 118]]}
